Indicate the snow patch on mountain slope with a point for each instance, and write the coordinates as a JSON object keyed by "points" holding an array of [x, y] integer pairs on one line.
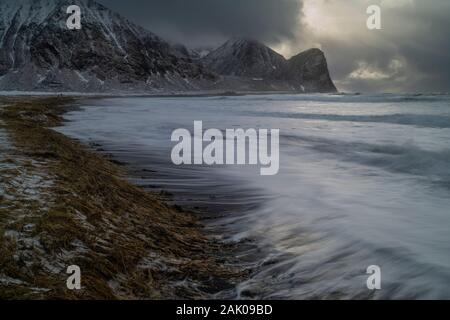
{"points": [[109, 52]]}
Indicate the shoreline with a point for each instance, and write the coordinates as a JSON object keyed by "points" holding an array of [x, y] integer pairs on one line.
{"points": [[129, 243], [181, 94]]}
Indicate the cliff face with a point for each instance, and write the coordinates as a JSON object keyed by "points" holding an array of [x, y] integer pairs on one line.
{"points": [[309, 69], [39, 53]]}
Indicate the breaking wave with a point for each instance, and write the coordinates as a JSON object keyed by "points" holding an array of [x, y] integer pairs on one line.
{"points": [[409, 159], [425, 120], [367, 183]]}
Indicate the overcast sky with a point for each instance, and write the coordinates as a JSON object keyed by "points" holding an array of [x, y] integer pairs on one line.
{"points": [[409, 54]]}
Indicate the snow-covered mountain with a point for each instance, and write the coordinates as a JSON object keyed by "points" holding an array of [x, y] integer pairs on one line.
{"points": [[38, 52], [247, 58]]}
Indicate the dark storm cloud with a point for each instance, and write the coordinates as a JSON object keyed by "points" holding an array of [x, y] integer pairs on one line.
{"points": [[208, 22], [428, 49], [410, 53]]}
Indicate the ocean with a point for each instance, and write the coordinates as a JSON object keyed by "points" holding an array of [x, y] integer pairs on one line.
{"points": [[363, 180]]}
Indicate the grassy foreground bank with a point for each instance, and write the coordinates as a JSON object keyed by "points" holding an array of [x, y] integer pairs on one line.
{"points": [[62, 205]]}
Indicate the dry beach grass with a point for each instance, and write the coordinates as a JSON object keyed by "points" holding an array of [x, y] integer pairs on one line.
{"points": [[62, 204]]}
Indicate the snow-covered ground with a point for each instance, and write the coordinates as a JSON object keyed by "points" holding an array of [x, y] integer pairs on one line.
{"points": [[24, 198]]}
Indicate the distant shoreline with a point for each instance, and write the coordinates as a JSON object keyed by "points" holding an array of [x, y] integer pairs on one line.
{"points": [[199, 94], [146, 95]]}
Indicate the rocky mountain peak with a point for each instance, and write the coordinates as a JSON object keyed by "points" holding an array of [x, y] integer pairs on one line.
{"points": [[310, 68], [244, 57], [39, 52]]}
